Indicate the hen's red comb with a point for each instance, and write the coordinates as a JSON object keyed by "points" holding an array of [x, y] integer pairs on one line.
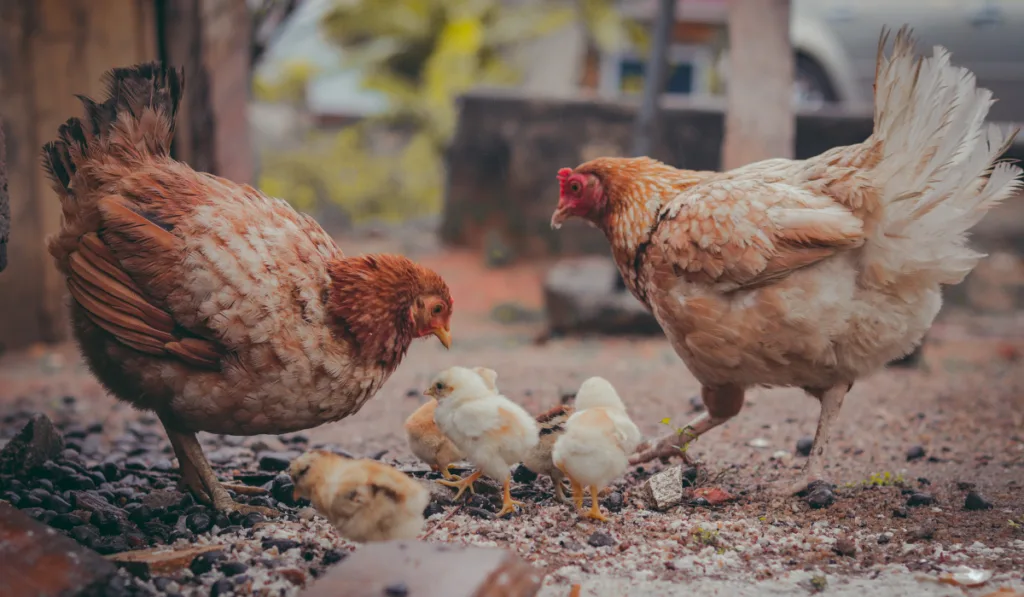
{"points": [[563, 178]]}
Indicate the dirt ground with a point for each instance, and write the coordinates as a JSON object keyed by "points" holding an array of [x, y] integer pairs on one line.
{"points": [[964, 407]]}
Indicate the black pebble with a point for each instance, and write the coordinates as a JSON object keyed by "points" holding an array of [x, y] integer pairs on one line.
{"points": [[480, 513], [920, 499], [333, 556], [479, 501], [613, 502], [821, 497], [282, 545], [11, 497], [198, 522], [599, 539], [233, 568], [923, 533], [203, 563], [975, 501], [45, 484], [109, 545], [40, 494], [275, 461], [161, 583], [432, 509], [140, 513], [58, 504], [689, 477], [700, 502], [696, 404], [900, 513], [282, 489], [66, 521], [251, 519], [135, 464], [110, 471], [36, 513], [804, 445], [523, 475], [915, 453], [883, 539], [396, 590], [229, 530], [221, 587], [222, 520], [85, 535], [30, 501]]}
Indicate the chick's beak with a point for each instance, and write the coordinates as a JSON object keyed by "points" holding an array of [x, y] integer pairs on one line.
{"points": [[295, 494], [561, 214], [430, 392], [444, 334]]}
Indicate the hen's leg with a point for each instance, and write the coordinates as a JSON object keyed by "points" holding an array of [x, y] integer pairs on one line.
{"points": [[463, 484], [195, 468], [508, 505], [721, 404], [595, 510], [831, 401]]}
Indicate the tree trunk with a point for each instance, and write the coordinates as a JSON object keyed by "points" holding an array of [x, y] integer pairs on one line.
{"points": [[759, 123], [5, 201], [646, 128]]}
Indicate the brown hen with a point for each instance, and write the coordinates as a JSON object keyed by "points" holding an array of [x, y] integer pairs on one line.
{"points": [[209, 303], [808, 273]]}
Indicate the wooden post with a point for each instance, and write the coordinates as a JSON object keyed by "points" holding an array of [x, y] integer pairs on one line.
{"points": [[5, 201], [49, 51], [646, 126], [759, 123]]}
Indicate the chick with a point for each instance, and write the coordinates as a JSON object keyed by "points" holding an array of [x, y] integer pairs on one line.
{"points": [[492, 431], [364, 499], [428, 442], [598, 440], [538, 459]]}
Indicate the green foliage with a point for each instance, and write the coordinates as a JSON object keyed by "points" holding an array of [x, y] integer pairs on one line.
{"points": [[421, 55], [288, 86], [686, 431]]}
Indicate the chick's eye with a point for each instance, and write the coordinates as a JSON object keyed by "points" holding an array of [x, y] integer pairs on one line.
{"points": [[574, 186], [439, 386], [437, 309]]}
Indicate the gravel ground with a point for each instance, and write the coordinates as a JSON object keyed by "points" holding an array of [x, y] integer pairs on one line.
{"points": [[952, 427]]}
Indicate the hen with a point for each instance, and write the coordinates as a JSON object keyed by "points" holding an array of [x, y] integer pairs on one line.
{"points": [[364, 499], [209, 303], [598, 440], [808, 273], [492, 431]]}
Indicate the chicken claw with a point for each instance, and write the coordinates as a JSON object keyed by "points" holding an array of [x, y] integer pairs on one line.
{"points": [[462, 484], [595, 510], [447, 474], [814, 471], [508, 505]]}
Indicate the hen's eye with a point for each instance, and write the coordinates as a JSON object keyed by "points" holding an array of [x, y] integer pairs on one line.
{"points": [[437, 309], [574, 186]]}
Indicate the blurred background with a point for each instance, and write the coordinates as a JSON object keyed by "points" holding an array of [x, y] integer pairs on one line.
{"points": [[435, 128]]}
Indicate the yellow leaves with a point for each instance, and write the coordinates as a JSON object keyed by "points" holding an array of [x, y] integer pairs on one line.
{"points": [[288, 86]]}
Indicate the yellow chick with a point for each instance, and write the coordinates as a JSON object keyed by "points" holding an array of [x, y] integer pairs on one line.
{"points": [[538, 459], [598, 440], [492, 431], [428, 442], [364, 499]]}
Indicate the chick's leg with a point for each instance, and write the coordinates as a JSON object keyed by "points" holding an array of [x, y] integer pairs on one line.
{"points": [[508, 505], [199, 475], [595, 510], [463, 484], [556, 479], [577, 493], [831, 401], [721, 404]]}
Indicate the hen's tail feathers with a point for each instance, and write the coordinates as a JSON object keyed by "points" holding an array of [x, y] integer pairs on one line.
{"points": [[938, 170], [136, 117]]}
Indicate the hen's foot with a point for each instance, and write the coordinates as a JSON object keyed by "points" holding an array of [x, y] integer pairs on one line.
{"points": [[226, 504], [595, 511], [665, 447], [805, 486], [508, 505], [244, 489], [462, 484]]}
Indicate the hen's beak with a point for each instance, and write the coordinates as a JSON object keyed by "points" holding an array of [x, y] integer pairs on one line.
{"points": [[444, 335], [561, 214]]}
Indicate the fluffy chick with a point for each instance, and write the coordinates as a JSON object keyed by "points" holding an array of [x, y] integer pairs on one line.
{"points": [[538, 459], [597, 442], [492, 431], [364, 499], [428, 442]]}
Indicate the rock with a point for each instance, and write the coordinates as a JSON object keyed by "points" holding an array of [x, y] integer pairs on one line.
{"points": [[162, 499], [38, 561], [432, 509], [821, 497], [251, 519], [900, 512], [277, 461], [920, 499], [221, 587], [398, 589], [884, 538], [37, 442], [665, 489], [198, 522], [264, 443], [759, 442], [974, 501], [915, 453], [804, 446], [376, 568], [86, 535], [599, 539], [282, 545], [923, 533], [233, 568], [580, 298], [696, 404], [282, 489], [613, 502], [135, 464], [293, 575], [845, 547], [166, 561], [66, 521]]}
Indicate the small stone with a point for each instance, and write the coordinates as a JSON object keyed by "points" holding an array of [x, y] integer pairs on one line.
{"points": [[804, 446], [276, 461], [759, 442], [86, 535], [282, 545], [974, 501], [308, 513], [198, 522], [293, 575], [264, 443], [135, 464], [57, 504], [900, 512], [613, 502], [233, 568], [333, 556], [915, 453], [432, 509], [205, 562], [161, 583], [523, 475], [251, 519], [282, 489], [66, 521], [820, 497], [696, 404], [162, 499], [923, 533], [665, 489], [396, 590], [599, 539], [920, 499], [884, 538], [845, 547], [138, 513], [221, 587], [37, 442], [480, 513]]}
